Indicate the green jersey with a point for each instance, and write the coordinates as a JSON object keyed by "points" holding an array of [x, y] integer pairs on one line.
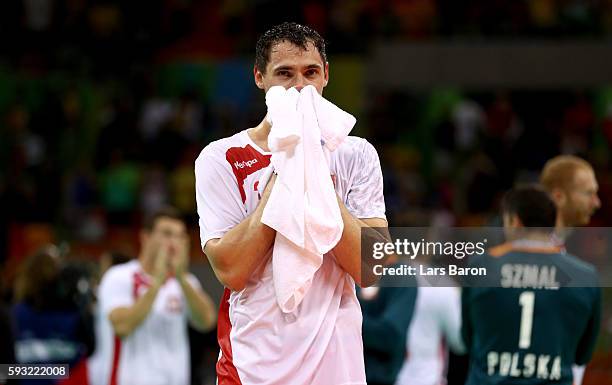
{"points": [[526, 327]]}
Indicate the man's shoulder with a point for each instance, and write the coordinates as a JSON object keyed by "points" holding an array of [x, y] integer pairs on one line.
{"points": [[354, 144], [583, 273], [121, 271], [354, 148]]}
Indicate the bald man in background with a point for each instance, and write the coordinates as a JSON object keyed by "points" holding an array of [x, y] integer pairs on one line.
{"points": [[572, 185], [571, 182]]}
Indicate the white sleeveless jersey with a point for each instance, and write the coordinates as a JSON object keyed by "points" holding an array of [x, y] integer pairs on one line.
{"points": [[157, 351], [320, 343]]}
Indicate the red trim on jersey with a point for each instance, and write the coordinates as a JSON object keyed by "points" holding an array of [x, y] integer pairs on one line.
{"points": [[245, 161], [78, 374], [226, 371], [116, 356], [140, 280]]}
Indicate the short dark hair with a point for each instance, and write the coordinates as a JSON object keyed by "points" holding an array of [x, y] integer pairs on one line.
{"points": [[164, 212], [532, 204], [297, 34]]}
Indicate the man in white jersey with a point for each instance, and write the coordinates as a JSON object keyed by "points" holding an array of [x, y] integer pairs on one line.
{"points": [[144, 307], [435, 327], [320, 343]]}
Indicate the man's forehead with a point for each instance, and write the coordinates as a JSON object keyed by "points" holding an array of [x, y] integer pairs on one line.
{"points": [[286, 45], [285, 50], [584, 179], [169, 224]]}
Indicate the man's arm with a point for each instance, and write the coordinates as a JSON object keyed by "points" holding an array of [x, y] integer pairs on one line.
{"points": [[386, 331], [202, 313], [450, 319], [238, 252], [365, 200], [466, 324], [588, 340], [348, 250], [125, 319]]}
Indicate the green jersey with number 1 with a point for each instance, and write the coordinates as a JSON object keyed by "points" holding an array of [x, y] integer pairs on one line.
{"points": [[527, 327]]}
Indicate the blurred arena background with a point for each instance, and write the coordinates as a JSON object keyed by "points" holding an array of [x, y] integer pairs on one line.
{"points": [[104, 106]]}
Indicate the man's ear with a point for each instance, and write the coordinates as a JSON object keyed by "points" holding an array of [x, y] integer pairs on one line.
{"points": [[258, 77], [558, 196], [515, 221], [511, 221]]}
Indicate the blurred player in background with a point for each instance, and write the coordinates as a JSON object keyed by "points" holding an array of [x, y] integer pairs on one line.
{"points": [[144, 305], [435, 327], [320, 343], [523, 326], [572, 185], [387, 312], [96, 363]]}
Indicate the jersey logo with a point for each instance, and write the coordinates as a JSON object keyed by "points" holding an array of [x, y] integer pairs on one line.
{"points": [[244, 162], [248, 163], [174, 304]]}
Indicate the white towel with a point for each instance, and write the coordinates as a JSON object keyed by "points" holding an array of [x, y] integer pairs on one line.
{"points": [[302, 207], [282, 106]]}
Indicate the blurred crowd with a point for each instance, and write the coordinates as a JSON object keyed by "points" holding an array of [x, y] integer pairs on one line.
{"points": [[104, 105], [448, 155], [86, 159], [99, 36]]}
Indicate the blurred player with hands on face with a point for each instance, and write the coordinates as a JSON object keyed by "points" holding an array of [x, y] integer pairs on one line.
{"points": [[144, 308]]}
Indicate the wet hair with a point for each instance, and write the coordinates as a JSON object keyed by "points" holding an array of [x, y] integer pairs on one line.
{"points": [[164, 212], [532, 205], [294, 33]]}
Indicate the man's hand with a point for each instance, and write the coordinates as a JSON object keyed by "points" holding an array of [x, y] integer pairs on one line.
{"points": [[179, 259], [125, 319], [348, 249], [202, 312], [160, 271]]}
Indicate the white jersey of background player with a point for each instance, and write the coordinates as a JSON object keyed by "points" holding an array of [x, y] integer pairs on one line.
{"points": [[320, 343], [144, 306], [435, 327]]}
